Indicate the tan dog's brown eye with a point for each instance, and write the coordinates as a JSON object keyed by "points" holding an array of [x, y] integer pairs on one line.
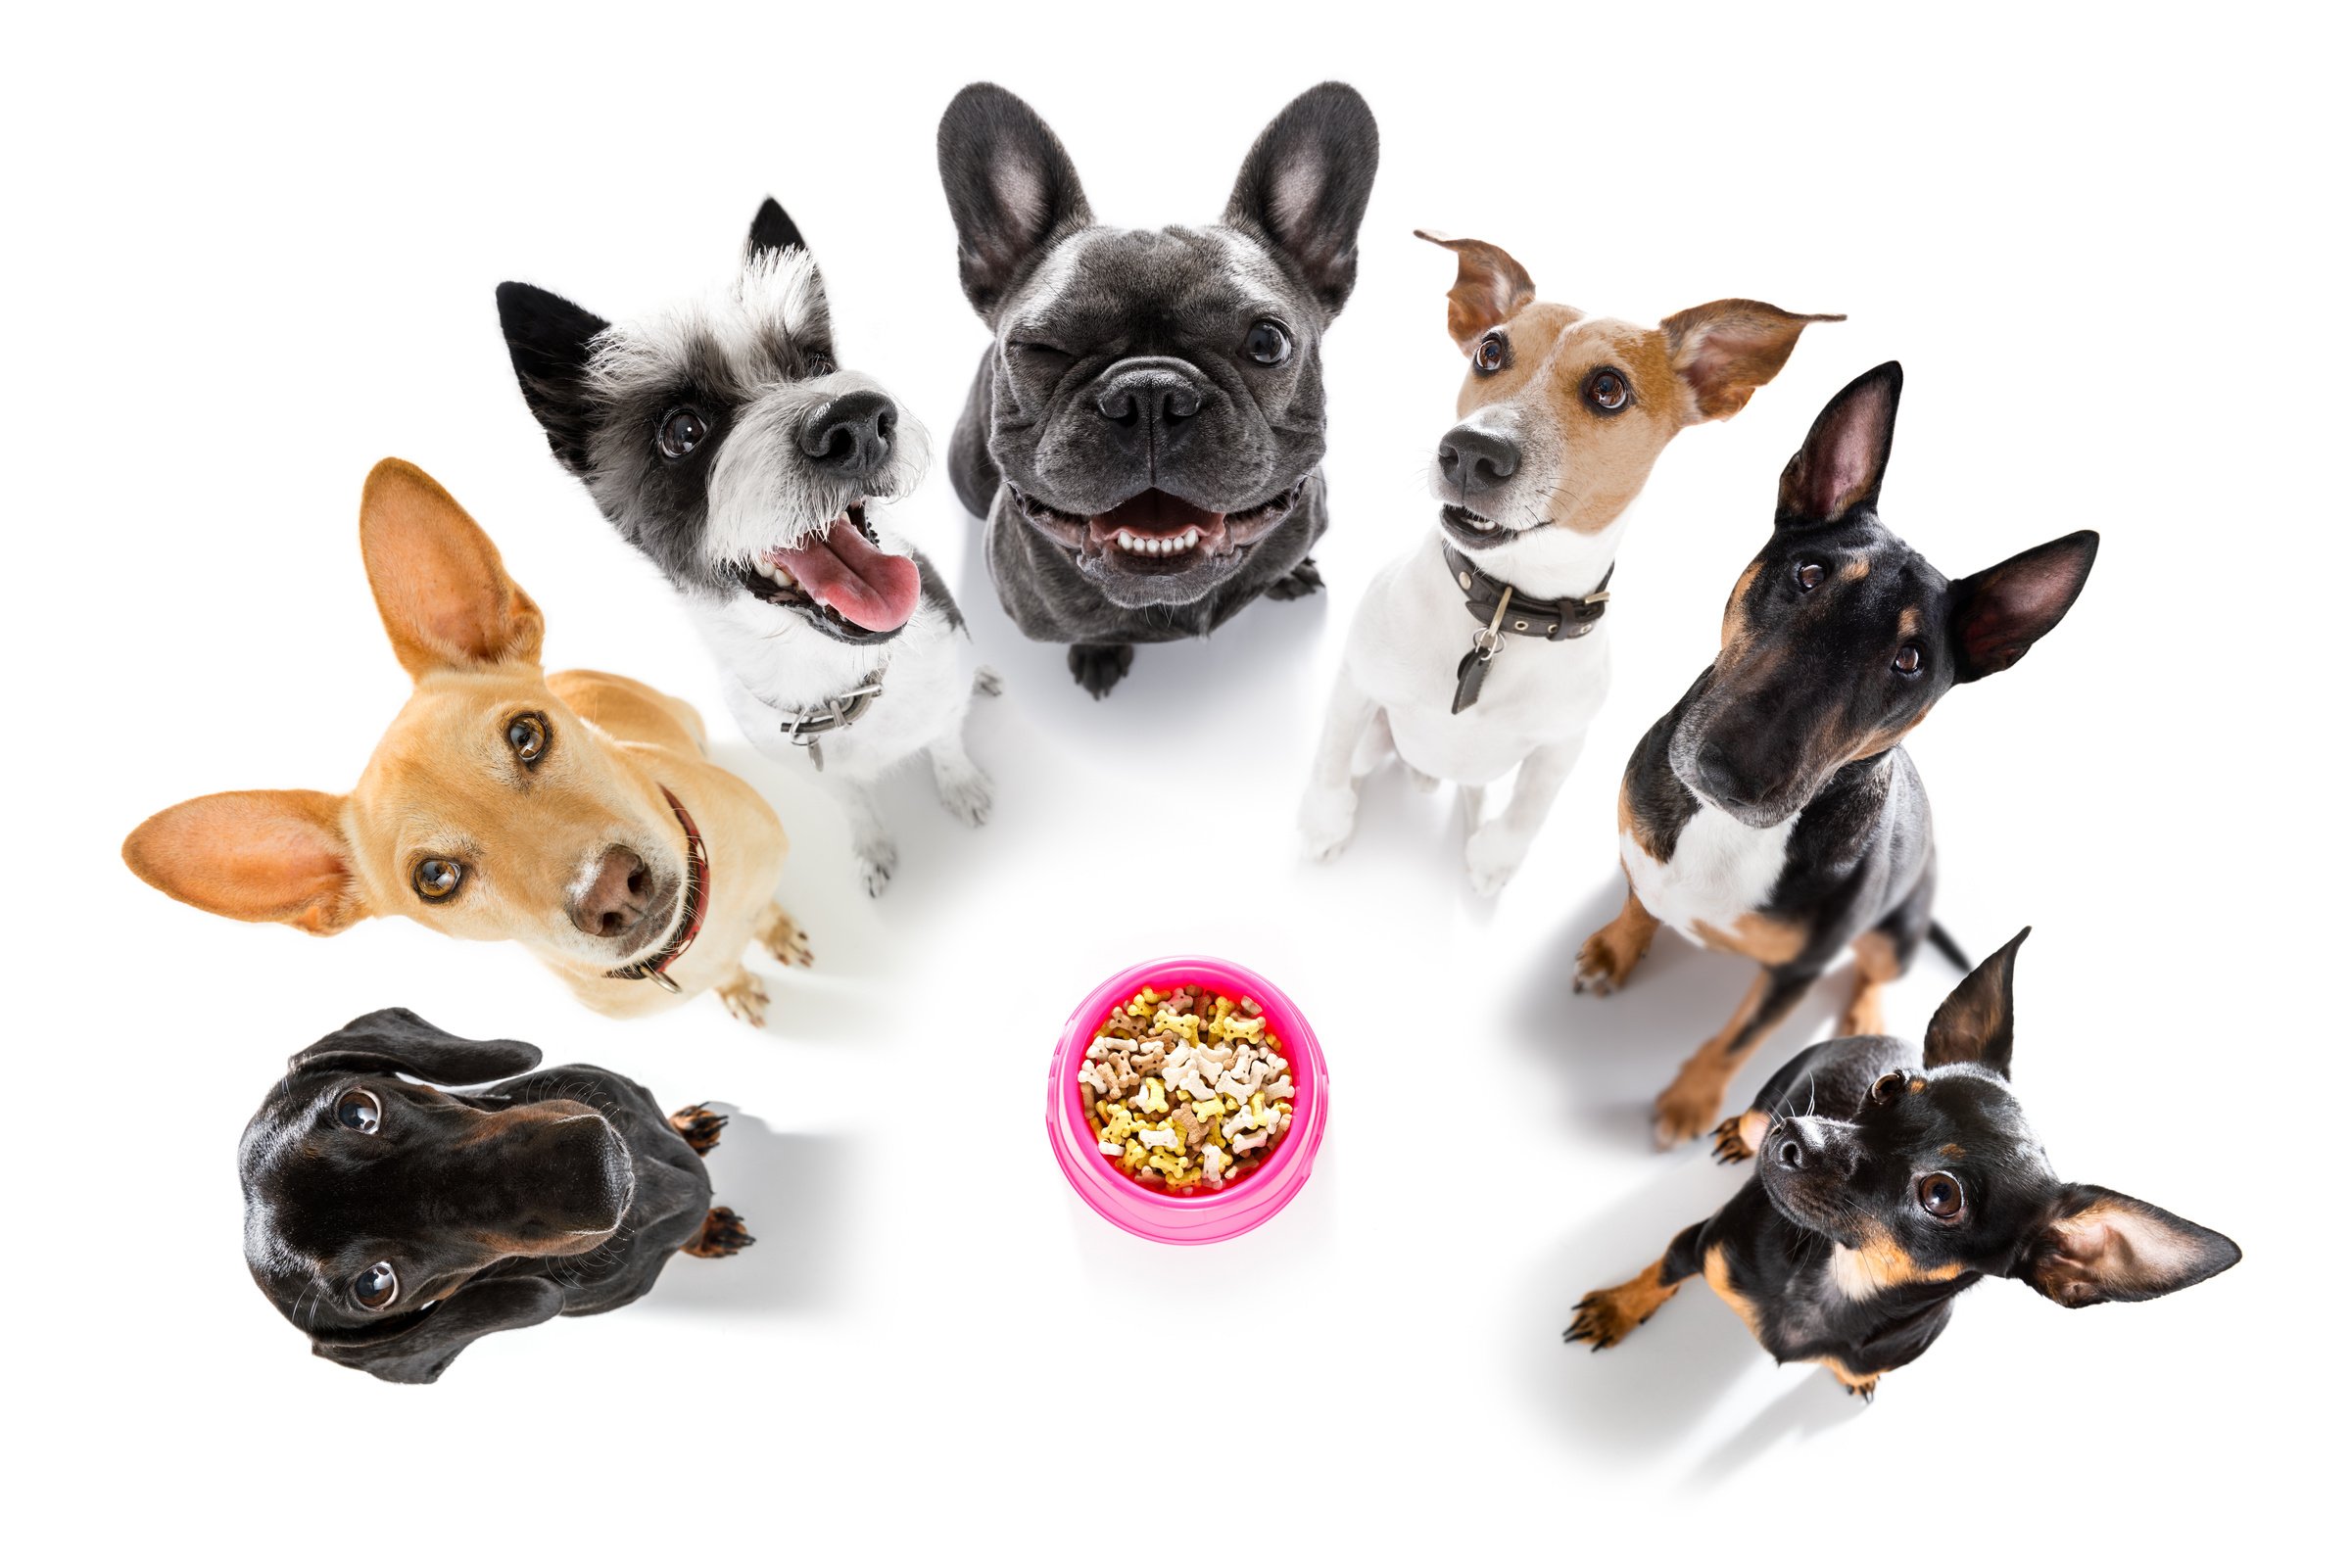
{"points": [[1491, 353], [682, 430], [1809, 575], [359, 1111], [1606, 391], [1267, 343], [1907, 661], [526, 733], [1940, 1195], [377, 1288], [435, 879], [1887, 1087]]}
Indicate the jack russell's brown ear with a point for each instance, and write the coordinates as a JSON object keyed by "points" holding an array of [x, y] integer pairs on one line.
{"points": [[444, 595], [254, 854], [1489, 287], [1724, 350]]}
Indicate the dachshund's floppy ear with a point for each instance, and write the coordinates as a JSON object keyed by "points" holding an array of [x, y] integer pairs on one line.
{"points": [[419, 1348], [396, 1039]]}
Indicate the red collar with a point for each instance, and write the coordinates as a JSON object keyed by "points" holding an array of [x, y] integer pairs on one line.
{"points": [[697, 904]]}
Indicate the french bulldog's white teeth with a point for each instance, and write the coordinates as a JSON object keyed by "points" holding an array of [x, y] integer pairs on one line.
{"points": [[1141, 544]]}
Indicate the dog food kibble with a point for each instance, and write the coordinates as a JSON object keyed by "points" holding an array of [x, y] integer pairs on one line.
{"points": [[1187, 1089]]}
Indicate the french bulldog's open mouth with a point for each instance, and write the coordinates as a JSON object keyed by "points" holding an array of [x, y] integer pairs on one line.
{"points": [[1156, 532], [841, 582], [1474, 531]]}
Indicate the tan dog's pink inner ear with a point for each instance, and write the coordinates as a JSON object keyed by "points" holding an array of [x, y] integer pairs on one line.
{"points": [[253, 854], [1489, 287], [1724, 350], [443, 592]]}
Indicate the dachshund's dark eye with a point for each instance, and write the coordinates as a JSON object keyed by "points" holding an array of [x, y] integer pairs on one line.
{"points": [[1887, 1087], [377, 1288], [1908, 659], [1606, 391], [1491, 353], [1267, 343], [682, 430], [359, 1111], [526, 735], [1940, 1195], [435, 879], [1809, 575]]}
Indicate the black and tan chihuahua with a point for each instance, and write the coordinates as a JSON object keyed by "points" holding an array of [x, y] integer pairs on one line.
{"points": [[1905, 1181]]}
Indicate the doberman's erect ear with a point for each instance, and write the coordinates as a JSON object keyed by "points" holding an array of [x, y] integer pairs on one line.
{"points": [[254, 854], [395, 1039], [1843, 462], [1489, 287], [1724, 350], [417, 1347], [1306, 182], [550, 341], [1011, 189], [2101, 1246], [2003, 610], [444, 594], [1977, 1022]]}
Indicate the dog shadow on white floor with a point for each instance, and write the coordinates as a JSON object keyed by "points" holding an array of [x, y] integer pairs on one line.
{"points": [[792, 1190]]}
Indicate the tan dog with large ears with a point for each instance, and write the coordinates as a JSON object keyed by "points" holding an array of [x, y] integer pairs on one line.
{"points": [[574, 813], [1561, 417]]}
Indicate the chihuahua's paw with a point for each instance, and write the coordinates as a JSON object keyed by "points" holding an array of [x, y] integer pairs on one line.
{"points": [[699, 1126], [1326, 822], [1865, 1387], [1685, 1111], [744, 996], [966, 794], [784, 939], [1495, 855], [987, 683], [1739, 1137], [1304, 578], [1606, 1317], [722, 1235], [1099, 666]]}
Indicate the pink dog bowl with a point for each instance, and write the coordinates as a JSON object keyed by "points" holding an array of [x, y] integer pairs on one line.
{"points": [[1189, 1218]]}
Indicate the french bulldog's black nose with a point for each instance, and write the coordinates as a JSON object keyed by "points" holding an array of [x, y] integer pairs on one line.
{"points": [[614, 899], [1475, 460], [1155, 402], [852, 434]]}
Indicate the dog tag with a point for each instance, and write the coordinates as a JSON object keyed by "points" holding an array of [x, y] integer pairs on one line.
{"points": [[1471, 678], [816, 755]]}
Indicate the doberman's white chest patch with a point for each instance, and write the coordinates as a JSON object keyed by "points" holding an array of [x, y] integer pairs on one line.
{"points": [[1721, 869]]}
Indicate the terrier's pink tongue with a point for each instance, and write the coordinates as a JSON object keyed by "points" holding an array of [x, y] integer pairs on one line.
{"points": [[868, 587]]}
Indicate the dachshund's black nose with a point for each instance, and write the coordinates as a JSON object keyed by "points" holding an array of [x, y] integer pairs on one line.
{"points": [[613, 902], [1474, 461], [852, 434]]}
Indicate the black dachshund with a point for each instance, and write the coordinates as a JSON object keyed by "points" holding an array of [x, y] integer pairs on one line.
{"points": [[396, 1223]]}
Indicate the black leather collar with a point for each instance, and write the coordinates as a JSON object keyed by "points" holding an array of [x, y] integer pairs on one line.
{"points": [[1553, 620]]}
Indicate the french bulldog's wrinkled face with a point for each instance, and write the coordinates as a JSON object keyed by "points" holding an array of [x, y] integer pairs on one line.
{"points": [[1157, 393]]}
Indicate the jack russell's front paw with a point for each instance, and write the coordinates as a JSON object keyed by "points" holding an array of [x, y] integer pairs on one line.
{"points": [[784, 939], [876, 863], [966, 794], [745, 997], [987, 683], [1495, 853], [1326, 822]]}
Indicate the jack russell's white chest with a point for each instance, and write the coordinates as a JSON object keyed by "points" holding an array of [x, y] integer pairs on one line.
{"points": [[1722, 871]]}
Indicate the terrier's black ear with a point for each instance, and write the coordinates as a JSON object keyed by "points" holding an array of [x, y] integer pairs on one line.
{"points": [[1843, 462], [773, 230], [2003, 610], [1977, 1022], [395, 1039], [417, 1347], [1011, 189], [1304, 186], [549, 338], [2101, 1246]]}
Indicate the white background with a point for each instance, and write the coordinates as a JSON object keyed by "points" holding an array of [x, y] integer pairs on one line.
{"points": [[247, 258]]}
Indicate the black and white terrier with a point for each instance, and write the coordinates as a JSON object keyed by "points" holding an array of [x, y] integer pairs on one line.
{"points": [[727, 444]]}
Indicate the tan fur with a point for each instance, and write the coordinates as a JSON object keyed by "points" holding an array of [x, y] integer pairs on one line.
{"points": [[441, 784], [1719, 1276], [1606, 1317], [1875, 966], [1693, 1101], [1755, 936], [1610, 955]]}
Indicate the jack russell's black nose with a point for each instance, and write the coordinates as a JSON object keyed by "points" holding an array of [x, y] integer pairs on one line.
{"points": [[1475, 460], [1149, 402], [852, 434], [613, 902]]}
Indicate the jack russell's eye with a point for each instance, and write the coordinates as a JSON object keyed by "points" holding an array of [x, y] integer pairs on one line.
{"points": [[682, 430], [359, 1111], [377, 1288], [1809, 575], [1606, 392], [1887, 1087], [1491, 353], [1267, 343], [1940, 1195], [1908, 660], [527, 738], [435, 879]]}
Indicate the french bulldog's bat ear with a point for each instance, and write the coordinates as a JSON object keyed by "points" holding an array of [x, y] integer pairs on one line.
{"points": [[2003, 610], [1304, 186], [444, 594], [772, 229], [396, 1038], [549, 339], [256, 855], [1843, 462], [2101, 1246], [417, 1347], [1011, 189], [1724, 350], [1977, 1022], [1489, 287]]}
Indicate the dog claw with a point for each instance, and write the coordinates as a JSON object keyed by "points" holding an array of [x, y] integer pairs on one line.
{"points": [[1730, 1141], [745, 997], [722, 1235], [1304, 578], [968, 795], [699, 1126], [784, 939], [1100, 666]]}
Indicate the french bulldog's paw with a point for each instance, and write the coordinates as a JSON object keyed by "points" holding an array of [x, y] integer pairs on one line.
{"points": [[699, 1126], [1606, 1317], [1684, 1111], [745, 997], [1326, 822], [987, 683], [1304, 578], [784, 939], [877, 864], [1099, 666], [966, 794], [1495, 853], [1739, 1138], [722, 1235]]}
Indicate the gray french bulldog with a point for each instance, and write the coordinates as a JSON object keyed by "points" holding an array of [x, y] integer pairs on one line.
{"points": [[1145, 433]]}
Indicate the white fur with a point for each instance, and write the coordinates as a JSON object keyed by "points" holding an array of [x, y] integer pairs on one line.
{"points": [[763, 491], [1721, 869]]}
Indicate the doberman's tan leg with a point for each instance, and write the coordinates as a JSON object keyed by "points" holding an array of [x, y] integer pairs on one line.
{"points": [[1607, 958], [1693, 1101], [1875, 966], [1606, 1317]]}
